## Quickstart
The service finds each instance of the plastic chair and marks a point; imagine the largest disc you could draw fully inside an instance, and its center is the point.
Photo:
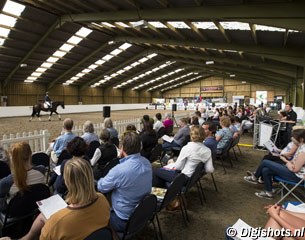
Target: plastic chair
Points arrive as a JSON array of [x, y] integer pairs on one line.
[[63, 156], [161, 132], [284, 185], [115, 141], [156, 153], [104, 233], [92, 147], [172, 192], [143, 213], [224, 153], [21, 211], [41, 158], [234, 143]]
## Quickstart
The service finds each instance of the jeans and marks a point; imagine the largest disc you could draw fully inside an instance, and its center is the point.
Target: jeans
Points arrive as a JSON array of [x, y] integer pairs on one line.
[[161, 176], [168, 146], [268, 169], [116, 223]]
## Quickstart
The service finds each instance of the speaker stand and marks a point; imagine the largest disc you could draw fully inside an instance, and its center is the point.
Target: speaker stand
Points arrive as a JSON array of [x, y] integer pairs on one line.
[[173, 116]]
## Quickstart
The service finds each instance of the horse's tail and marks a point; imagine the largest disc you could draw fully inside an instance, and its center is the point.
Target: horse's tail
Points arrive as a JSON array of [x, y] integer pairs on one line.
[[34, 110]]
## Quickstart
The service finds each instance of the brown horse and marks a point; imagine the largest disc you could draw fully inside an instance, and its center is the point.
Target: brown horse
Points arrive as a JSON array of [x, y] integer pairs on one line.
[[40, 107]]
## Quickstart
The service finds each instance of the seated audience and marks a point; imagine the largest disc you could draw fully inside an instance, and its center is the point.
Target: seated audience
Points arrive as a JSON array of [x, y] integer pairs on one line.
[[109, 126], [77, 148], [147, 118], [216, 115], [200, 119], [23, 173], [293, 171], [168, 123], [4, 161], [62, 141], [224, 134], [149, 140], [128, 181], [194, 121], [210, 141], [89, 135], [180, 137], [190, 156], [87, 210], [158, 124], [103, 154]]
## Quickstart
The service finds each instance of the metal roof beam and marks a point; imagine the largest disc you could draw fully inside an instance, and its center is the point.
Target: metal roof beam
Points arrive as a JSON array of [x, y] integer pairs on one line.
[[253, 32], [47, 33], [286, 70], [287, 15], [114, 69], [222, 30], [51, 84]]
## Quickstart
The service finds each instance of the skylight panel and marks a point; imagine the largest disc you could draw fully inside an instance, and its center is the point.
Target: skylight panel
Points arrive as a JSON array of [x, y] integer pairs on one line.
[[74, 40], [134, 64], [7, 20], [125, 46], [108, 24], [93, 66], [179, 24], [100, 62], [121, 71], [13, 8], [4, 32], [87, 70], [83, 32], [142, 60], [31, 78], [36, 74], [46, 65], [235, 26], [40, 69], [107, 57], [269, 28], [59, 53], [157, 24], [66, 47], [116, 52], [52, 59], [80, 74], [28, 81], [74, 78], [205, 25], [127, 68], [124, 25], [152, 55]]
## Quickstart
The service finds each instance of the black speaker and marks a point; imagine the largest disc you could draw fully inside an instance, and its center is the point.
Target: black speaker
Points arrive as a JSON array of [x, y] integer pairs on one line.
[[174, 107], [106, 111]]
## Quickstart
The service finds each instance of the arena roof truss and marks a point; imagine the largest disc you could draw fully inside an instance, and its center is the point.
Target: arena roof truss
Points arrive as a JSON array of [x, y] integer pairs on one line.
[[151, 45]]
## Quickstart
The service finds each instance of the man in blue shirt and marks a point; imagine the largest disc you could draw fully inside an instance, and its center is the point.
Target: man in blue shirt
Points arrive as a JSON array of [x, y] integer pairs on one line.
[[129, 181], [210, 141], [62, 141]]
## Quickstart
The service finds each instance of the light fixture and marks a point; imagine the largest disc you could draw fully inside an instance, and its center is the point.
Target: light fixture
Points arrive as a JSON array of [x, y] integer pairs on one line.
[[232, 75], [140, 24], [243, 82], [209, 62]]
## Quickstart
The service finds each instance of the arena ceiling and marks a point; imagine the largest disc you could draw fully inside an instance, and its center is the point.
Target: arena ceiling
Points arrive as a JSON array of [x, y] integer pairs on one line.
[[152, 45]]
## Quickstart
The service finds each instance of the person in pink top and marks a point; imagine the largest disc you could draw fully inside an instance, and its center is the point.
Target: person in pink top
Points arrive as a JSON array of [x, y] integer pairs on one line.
[[168, 123]]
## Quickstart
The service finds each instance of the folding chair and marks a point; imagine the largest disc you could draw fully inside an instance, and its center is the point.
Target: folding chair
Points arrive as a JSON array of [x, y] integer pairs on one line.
[[156, 153], [224, 153], [143, 213], [21, 211], [41, 158], [284, 185], [172, 192], [235, 142], [102, 233], [92, 147]]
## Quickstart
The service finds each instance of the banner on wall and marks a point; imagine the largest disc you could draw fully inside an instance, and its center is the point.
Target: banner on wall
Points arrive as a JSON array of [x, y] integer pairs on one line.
[[261, 97], [158, 100], [211, 89]]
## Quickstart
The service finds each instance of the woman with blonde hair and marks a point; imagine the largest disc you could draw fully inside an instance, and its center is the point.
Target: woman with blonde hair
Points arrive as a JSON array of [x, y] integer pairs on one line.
[[224, 135], [23, 173], [87, 210], [109, 126], [190, 156]]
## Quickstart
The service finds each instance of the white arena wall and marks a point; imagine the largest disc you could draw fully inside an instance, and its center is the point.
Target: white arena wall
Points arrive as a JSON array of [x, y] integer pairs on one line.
[[27, 110]]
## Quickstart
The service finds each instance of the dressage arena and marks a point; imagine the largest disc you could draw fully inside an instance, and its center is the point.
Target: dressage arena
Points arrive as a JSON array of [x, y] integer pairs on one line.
[[234, 200]]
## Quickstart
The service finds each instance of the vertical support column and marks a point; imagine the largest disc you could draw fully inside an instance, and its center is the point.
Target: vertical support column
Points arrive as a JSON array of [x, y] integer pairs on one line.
[[223, 87]]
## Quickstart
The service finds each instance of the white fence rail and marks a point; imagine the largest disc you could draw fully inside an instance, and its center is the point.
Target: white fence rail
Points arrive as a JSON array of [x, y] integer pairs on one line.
[[39, 140]]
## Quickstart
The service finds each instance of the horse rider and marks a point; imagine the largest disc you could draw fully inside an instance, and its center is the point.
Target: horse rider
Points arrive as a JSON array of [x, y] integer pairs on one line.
[[48, 100]]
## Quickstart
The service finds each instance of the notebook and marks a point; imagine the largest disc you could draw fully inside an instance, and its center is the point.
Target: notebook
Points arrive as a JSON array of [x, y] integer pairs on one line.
[[271, 147], [167, 138], [159, 192]]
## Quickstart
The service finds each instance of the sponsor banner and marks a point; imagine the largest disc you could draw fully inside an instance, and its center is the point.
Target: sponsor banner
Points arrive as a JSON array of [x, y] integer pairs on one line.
[[211, 89]]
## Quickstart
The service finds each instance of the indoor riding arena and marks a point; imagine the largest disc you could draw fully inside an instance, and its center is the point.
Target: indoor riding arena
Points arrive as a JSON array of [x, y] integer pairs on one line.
[[152, 119]]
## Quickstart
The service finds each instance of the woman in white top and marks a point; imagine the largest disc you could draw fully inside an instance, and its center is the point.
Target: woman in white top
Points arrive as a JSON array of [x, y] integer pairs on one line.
[[293, 171], [190, 156]]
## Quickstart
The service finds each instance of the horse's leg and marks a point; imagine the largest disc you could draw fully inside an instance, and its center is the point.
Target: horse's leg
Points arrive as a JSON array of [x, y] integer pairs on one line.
[[50, 116], [59, 117]]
